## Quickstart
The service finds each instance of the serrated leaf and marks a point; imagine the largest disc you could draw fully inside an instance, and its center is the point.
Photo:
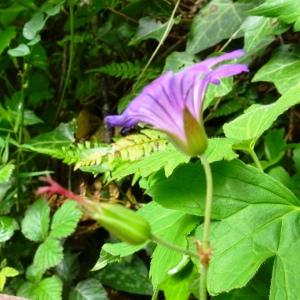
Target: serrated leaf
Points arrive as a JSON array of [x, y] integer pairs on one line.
[[219, 20], [90, 289], [164, 259], [6, 172], [33, 26], [282, 69], [48, 289], [49, 254], [131, 277], [19, 51], [7, 228], [65, 220], [6, 36], [35, 224], [258, 118]]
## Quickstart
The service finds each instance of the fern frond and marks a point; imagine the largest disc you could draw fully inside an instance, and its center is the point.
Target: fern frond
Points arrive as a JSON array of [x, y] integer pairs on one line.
[[124, 70]]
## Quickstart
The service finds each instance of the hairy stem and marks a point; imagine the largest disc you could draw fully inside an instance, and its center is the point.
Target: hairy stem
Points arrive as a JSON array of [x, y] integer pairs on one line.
[[204, 252]]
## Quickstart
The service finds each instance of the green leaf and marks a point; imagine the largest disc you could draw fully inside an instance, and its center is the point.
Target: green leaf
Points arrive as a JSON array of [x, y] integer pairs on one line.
[[258, 118], [6, 172], [21, 50], [232, 181], [9, 272], [275, 145], [219, 20], [35, 224], [6, 36], [50, 142], [131, 277], [149, 29], [287, 11], [90, 289], [178, 286], [69, 267], [164, 259], [49, 254], [7, 228], [282, 69], [48, 289], [33, 26], [178, 60], [259, 218], [65, 220], [259, 32]]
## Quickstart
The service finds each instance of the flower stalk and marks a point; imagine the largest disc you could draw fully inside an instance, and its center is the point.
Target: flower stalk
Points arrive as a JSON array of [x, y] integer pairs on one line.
[[204, 249]]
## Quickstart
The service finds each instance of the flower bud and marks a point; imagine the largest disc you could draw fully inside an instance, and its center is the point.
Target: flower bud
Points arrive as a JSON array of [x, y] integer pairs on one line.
[[122, 222]]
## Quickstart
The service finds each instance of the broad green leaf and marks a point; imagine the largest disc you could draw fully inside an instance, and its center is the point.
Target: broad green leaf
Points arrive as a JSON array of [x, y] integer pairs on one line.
[[164, 259], [68, 269], [282, 69], [286, 10], [160, 219], [33, 26], [149, 29], [49, 254], [258, 118], [259, 218], [219, 20], [259, 32], [19, 51], [232, 181], [7, 228], [49, 142], [90, 289], [65, 220], [131, 277], [10, 13], [6, 172], [35, 224], [48, 289], [6, 36]]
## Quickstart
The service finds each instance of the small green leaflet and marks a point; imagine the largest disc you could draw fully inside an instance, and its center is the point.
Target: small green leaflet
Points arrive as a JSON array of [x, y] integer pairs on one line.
[[8, 226], [90, 289]]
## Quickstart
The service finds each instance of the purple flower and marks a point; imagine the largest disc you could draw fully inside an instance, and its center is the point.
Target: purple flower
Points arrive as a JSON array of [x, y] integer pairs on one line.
[[173, 102]]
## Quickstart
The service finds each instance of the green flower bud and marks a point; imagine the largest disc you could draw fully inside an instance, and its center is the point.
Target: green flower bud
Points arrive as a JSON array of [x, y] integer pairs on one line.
[[122, 222]]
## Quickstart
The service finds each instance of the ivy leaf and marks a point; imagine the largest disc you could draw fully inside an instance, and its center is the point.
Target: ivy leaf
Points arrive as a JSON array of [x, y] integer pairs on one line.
[[65, 220], [258, 118], [7, 228], [282, 69], [6, 36], [35, 224], [219, 20], [48, 254], [150, 28], [178, 60], [164, 259], [287, 11], [19, 51], [90, 289]]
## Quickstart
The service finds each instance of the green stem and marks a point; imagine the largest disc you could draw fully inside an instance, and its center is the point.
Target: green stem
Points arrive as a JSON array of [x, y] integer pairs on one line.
[[255, 159], [207, 221], [171, 246], [70, 62]]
